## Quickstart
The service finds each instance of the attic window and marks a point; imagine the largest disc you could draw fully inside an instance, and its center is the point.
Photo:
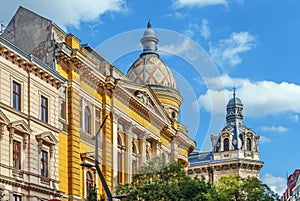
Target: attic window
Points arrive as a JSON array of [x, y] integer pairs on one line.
[[226, 144]]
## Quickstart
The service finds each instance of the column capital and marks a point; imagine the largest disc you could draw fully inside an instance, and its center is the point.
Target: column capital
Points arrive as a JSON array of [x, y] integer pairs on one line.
[[115, 116], [128, 127]]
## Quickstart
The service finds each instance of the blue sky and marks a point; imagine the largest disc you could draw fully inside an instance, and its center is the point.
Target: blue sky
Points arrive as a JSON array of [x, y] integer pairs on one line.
[[211, 46]]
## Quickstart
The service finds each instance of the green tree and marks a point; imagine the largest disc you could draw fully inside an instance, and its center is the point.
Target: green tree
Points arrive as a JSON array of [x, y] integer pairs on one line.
[[92, 194], [256, 190], [236, 188], [160, 181]]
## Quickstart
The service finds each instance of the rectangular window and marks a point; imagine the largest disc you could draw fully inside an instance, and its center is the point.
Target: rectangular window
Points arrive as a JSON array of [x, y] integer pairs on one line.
[[16, 96], [44, 109], [17, 155], [97, 118], [17, 198], [44, 163], [63, 113]]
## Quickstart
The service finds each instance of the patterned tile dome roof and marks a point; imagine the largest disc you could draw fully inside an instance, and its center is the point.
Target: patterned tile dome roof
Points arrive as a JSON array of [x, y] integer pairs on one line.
[[149, 69]]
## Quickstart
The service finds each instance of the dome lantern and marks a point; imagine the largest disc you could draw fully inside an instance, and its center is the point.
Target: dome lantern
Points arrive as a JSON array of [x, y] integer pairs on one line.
[[149, 41]]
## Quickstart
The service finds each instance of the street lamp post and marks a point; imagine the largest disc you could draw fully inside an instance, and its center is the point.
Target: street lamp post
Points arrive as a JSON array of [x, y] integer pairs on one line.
[[107, 191]]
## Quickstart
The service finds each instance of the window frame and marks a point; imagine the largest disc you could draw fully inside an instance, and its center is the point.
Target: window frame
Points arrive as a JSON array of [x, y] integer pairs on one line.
[[17, 197], [248, 144], [226, 144], [134, 158], [89, 181], [17, 154], [44, 108], [87, 119], [44, 162], [16, 95]]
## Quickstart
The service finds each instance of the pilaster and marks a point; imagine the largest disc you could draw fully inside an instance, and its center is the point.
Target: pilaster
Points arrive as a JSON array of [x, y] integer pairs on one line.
[[107, 133], [74, 142]]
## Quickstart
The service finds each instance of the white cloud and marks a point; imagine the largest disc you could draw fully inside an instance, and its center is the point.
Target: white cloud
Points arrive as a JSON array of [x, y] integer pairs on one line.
[[260, 98], [198, 3], [278, 129], [183, 47], [264, 139], [176, 15], [191, 29], [67, 12], [228, 51], [205, 30], [276, 184], [295, 118]]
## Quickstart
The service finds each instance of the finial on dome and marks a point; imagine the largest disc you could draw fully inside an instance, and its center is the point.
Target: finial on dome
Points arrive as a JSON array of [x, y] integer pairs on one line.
[[149, 26], [234, 91]]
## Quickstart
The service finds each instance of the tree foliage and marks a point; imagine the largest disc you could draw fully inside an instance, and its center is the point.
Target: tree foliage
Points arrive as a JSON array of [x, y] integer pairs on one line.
[[160, 181], [92, 194], [236, 188]]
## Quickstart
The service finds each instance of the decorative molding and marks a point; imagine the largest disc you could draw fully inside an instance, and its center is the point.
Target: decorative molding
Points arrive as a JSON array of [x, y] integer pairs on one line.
[[143, 97], [30, 66], [2, 129], [48, 139]]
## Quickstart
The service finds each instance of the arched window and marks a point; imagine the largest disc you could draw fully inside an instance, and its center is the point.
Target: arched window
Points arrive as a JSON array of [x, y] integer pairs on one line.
[[226, 144], [147, 155], [134, 158], [89, 181], [134, 150], [87, 119], [249, 144]]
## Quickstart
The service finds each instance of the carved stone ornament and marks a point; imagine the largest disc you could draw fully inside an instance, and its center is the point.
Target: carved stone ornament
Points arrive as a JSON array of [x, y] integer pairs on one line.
[[11, 134], [2, 129], [143, 97]]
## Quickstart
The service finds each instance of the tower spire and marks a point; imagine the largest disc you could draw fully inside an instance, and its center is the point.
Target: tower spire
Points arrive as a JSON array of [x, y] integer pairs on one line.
[[234, 91], [234, 108], [149, 25]]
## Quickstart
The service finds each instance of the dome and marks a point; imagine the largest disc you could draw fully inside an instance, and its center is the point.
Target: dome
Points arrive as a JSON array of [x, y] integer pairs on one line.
[[234, 101], [149, 69], [234, 109]]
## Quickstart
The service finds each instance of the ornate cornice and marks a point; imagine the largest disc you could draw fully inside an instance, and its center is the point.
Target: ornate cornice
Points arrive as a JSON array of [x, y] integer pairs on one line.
[[29, 63], [89, 70], [30, 186], [139, 107], [246, 165]]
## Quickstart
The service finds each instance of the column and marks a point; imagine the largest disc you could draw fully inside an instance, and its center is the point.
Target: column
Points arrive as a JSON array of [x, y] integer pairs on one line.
[[128, 160], [115, 118], [143, 138]]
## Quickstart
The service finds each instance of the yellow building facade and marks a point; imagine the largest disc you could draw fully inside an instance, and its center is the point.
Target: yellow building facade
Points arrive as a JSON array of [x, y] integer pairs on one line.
[[141, 109]]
